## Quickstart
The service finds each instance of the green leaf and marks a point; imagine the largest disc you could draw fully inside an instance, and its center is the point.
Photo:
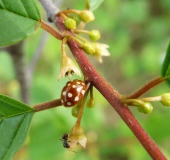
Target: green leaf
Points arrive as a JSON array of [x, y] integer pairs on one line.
[[18, 19], [166, 65], [93, 4], [15, 118], [10, 107]]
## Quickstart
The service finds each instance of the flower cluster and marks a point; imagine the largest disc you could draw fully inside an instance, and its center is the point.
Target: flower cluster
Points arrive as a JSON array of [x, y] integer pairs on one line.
[[93, 48], [143, 104], [68, 67]]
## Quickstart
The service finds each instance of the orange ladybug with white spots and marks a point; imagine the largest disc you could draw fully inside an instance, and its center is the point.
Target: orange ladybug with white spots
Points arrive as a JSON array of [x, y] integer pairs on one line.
[[72, 93]]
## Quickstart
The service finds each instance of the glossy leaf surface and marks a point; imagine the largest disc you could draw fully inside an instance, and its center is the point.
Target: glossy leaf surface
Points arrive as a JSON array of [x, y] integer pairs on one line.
[[18, 19], [15, 118]]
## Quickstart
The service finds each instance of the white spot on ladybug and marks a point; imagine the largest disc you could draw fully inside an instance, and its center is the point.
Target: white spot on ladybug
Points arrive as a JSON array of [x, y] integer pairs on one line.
[[68, 103], [78, 82], [79, 89], [76, 98], [70, 95], [68, 84], [83, 91], [82, 83], [62, 101], [64, 93], [73, 86]]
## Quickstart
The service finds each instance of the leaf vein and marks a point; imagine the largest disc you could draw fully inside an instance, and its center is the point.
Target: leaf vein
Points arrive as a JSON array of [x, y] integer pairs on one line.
[[9, 116], [3, 4], [1, 122], [5, 10], [24, 8], [15, 134], [2, 113]]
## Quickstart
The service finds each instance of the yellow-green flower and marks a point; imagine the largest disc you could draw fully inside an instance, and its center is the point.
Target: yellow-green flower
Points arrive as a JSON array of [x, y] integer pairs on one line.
[[100, 50], [96, 49], [88, 47], [77, 136], [86, 16], [67, 67]]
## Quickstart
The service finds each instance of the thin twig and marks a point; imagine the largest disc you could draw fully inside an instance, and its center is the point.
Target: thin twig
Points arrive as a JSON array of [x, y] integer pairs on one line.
[[146, 87], [47, 105], [51, 30], [80, 114]]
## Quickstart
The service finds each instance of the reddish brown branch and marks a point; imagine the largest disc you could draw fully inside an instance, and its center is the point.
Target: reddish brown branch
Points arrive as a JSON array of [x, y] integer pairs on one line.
[[112, 96], [47, 105], [51, 30], [146, 87]]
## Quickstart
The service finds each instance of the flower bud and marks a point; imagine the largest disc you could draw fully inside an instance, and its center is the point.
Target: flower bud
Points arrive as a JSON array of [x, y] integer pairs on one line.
[[165, 99], [70, 23], [77, 136], [88, 48], [86, 16], [75, 111], [145, 108], [94, 35], [90, 103]]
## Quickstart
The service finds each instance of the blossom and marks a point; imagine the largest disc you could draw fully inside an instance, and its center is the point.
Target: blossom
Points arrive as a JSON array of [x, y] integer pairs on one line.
[[67, 67], [77, 136], [86, 16], [100, 50]]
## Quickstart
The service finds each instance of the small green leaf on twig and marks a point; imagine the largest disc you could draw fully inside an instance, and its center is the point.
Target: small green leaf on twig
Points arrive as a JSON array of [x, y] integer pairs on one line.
[[93, 4], [166, 65]]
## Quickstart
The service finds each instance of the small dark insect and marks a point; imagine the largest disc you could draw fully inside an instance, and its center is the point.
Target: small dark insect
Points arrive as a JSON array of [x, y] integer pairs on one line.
[[65, 141]]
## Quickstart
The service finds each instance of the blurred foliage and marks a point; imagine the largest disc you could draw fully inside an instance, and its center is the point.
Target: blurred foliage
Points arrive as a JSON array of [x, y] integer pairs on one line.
[[138, 34]]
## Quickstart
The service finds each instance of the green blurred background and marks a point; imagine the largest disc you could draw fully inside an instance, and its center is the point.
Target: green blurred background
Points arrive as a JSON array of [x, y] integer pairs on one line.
[[137, 32]]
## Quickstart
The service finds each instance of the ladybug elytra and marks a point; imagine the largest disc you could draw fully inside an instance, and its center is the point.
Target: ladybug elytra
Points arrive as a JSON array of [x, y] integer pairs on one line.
[[72, 93]]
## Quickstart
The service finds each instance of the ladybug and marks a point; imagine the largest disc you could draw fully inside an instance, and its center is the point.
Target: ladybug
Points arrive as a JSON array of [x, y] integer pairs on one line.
[[72, 93]]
